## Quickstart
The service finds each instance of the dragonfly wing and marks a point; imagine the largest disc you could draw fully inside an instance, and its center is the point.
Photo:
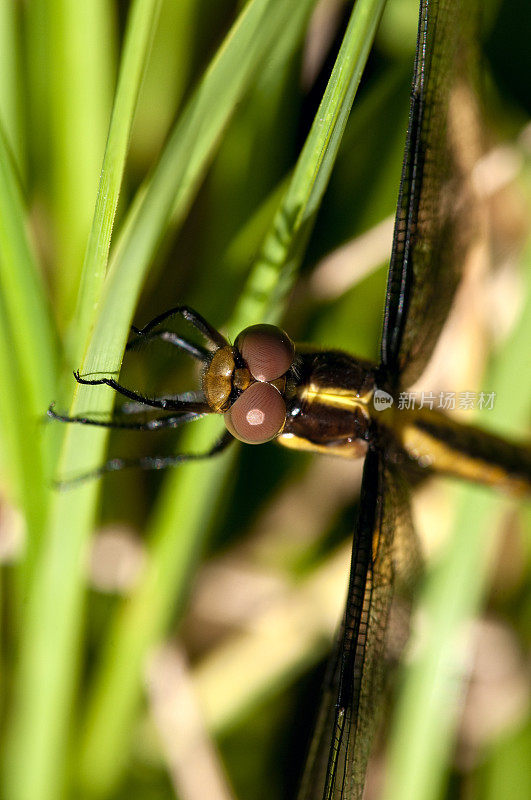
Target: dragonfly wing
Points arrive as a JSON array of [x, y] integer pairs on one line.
[[352, 693], [435, 223]]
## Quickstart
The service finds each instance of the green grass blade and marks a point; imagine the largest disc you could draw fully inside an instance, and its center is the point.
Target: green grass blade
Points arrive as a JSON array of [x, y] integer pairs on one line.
[[177, 536], [427, 710], [141, 20], [508, 773], [29, 335], [80, 65], [34, 762], [274, 272], [22, 289], [166, 78], [11, 105], [19, 463]]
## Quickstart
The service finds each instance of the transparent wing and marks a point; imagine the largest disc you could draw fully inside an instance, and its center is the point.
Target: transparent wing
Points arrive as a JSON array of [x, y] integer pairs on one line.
[[352, 693], [435, 222]]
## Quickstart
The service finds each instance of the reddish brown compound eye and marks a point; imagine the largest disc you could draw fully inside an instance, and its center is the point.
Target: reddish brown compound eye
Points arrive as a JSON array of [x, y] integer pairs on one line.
[[258, 414], [267, 351]]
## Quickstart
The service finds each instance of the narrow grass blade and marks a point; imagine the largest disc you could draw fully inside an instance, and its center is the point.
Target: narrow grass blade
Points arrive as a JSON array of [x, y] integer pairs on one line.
[[141, 20], [29, 337], [177, 536], [166, 78], [33, 756], [20, 464], [11, 106], [22, 289], [274, 272], [79, 63]]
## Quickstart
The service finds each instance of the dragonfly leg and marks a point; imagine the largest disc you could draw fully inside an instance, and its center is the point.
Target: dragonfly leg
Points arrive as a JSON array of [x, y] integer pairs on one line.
[[194, 350], [213, 337], [170, 403], [147, 462], [171, 421]]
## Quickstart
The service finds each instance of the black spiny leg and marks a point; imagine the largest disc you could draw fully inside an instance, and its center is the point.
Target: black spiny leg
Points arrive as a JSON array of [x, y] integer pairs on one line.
[[185, 407], [169, 403], [194, 350], [213, 337], [148, 462], [172, 421]]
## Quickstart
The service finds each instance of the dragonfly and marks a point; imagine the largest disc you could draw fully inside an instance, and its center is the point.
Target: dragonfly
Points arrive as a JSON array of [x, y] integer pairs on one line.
[[328, 401]]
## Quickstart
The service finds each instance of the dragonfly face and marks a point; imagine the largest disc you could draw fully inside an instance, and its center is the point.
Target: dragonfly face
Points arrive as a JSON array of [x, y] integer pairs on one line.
[[305, 398], [246, 383]]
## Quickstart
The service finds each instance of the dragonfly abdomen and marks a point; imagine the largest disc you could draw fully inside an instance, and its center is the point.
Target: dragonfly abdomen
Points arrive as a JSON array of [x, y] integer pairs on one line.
[[444, 445]]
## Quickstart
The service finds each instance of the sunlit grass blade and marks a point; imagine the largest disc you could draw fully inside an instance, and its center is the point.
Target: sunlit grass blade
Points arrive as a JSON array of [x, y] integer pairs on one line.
[[23, 292], [275, 270], [11, 105], [180, 521], [79, 62], [141, 19], [166, 78], [177, 537], [34, 755], [20, 463], [29, 336], [507, 767], [428, 707]]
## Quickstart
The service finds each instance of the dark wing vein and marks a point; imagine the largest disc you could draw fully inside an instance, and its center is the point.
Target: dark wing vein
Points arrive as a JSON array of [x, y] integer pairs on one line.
[[434, 224], [353, 687]]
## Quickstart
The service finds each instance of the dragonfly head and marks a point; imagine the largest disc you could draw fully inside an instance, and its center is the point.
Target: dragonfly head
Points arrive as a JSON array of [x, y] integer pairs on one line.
[[245, 382]]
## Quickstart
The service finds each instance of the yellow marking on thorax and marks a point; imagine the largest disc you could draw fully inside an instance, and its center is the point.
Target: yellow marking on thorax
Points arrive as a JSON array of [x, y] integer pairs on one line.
[[336, 397], [348, 449]]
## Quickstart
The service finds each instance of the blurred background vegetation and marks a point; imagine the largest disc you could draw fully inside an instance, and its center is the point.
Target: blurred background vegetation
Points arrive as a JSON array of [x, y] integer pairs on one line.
[[164, 635]]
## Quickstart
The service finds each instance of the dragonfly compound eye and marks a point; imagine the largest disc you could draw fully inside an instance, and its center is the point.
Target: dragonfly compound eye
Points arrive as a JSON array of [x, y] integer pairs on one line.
[[267, 351], [258, 414]]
